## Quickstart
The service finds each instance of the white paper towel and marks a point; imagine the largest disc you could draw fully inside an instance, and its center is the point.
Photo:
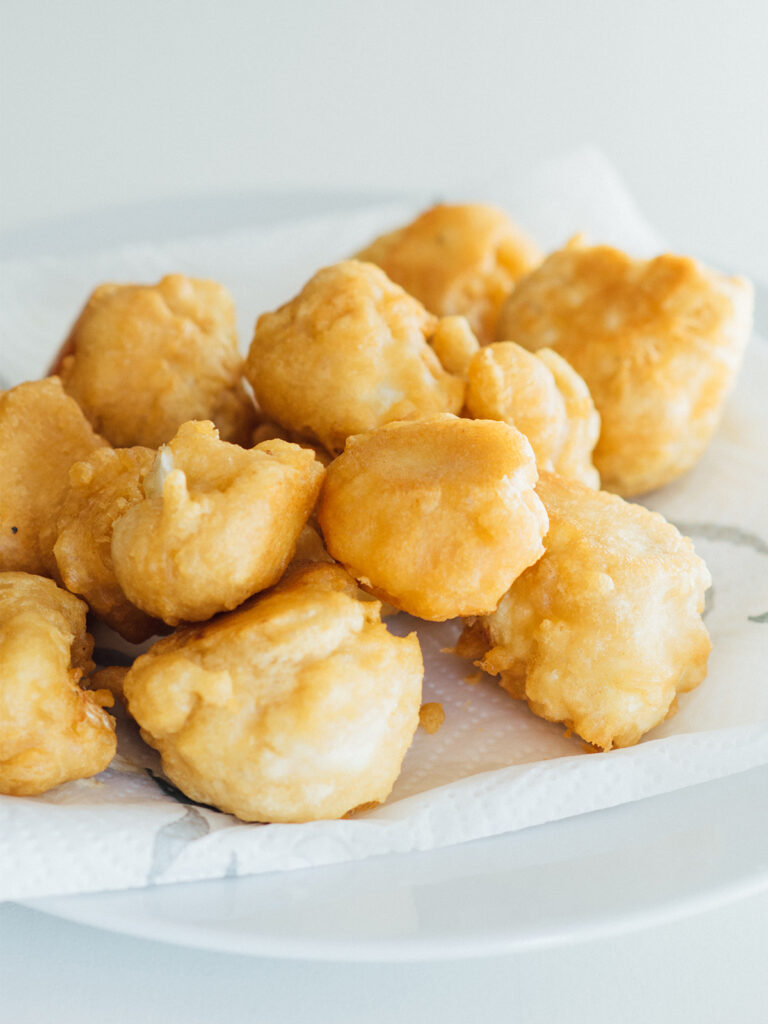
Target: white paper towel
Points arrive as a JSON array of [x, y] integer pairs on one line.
[[493, 766]]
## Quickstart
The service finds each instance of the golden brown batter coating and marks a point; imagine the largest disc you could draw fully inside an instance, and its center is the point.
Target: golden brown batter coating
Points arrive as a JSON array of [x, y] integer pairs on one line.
[[51, 730], [42, 433], [658, 342], [574, 459], [541, 395], [297, 706], [217, 523], [460, 259], [437, 516], [146, 358], [454, 344], [349, 353], [605, 630], [101, 489]]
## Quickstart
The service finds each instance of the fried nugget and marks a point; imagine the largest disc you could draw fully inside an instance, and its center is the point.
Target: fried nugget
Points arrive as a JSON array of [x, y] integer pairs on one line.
[[42, 433], [605, 630], [101, 489], [51, 730], [143, 359], [297, 706], [658, 342], [437, 516], [541, 395], [454, 344], [217, 523], [349, 353], [461, 259]]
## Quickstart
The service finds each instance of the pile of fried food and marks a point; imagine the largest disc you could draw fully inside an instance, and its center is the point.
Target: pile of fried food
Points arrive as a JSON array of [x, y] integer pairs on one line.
[[429, 426]]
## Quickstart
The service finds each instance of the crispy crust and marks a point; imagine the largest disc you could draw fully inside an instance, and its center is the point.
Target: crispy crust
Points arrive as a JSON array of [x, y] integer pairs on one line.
[[458, 260], [42, 433], [51, 730], [658, 342], [348, 354], [143, 359], [216, 524], [541, 395], [437, 516], [297, 706], [101, 490], [605, 630]]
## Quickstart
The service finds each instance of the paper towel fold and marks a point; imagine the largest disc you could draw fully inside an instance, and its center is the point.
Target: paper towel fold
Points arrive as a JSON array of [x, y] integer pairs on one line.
[[493, 766]]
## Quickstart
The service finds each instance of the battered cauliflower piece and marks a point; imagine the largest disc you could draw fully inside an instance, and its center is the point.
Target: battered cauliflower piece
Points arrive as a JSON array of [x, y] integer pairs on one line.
[[217, 523], [349, 353], [101, 489], [297, 706], [461, 259], [42, 433], [438, 516], [143, 359], [544, 398], [454, 344], [605, 630], [658, 342], [51, 730]]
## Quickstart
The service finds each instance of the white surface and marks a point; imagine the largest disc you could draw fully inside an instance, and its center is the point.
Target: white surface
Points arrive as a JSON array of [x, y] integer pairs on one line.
[[109, 103], [514, 770], [709, 969]]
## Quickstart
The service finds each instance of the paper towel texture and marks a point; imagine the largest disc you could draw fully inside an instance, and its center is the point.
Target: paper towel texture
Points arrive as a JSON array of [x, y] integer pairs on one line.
[[492, 766]]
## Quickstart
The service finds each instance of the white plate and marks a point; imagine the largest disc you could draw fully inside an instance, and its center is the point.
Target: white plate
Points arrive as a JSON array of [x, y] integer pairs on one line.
[[602, 873]]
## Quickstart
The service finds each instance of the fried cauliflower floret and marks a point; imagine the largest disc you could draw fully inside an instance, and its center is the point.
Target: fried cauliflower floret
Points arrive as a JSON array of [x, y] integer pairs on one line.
[[461, 259], [658, 342], [541, 395], [143, 359], [454, 344], [101, 489], [437, 517], [217, 523], [349, 353], [51, 731], [42, 433], [605, 630], [297, 706]]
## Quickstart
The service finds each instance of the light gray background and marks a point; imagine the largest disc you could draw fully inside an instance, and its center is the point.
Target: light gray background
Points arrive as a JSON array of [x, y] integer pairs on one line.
[[115, 103], [105, 103]]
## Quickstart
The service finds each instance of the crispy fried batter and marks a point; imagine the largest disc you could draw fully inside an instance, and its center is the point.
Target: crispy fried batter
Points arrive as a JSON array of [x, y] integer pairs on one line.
[[217, 523], [605, 630], [454, 344], [146, 358], [42, 433], [297, 706], [541, 395], [349, 353], [101, 489], [51, 731], [461, 259], [435, 516], [431, 716], [658, 343]]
